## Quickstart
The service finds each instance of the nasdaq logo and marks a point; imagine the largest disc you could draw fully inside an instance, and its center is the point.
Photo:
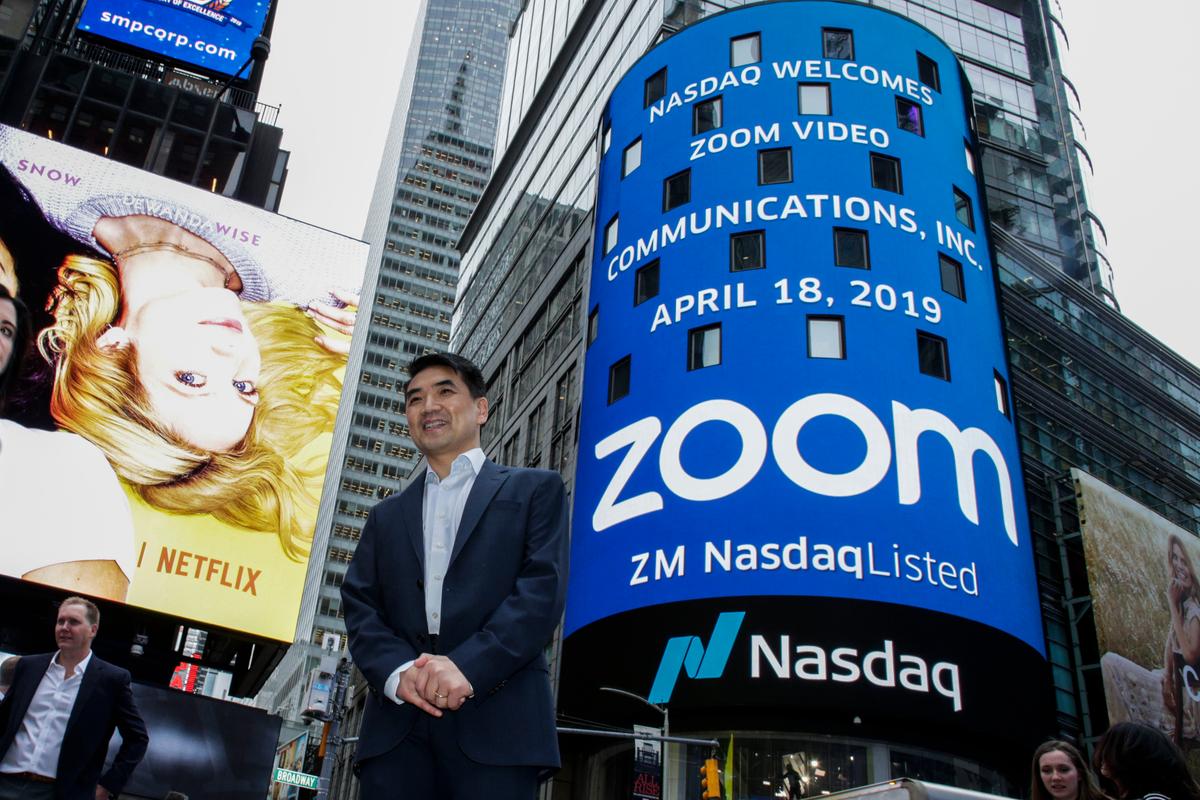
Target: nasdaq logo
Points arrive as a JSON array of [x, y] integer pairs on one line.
[[688, 654]]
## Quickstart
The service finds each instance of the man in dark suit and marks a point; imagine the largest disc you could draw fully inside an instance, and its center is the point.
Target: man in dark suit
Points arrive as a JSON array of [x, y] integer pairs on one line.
[[454, 592], [56, 720]]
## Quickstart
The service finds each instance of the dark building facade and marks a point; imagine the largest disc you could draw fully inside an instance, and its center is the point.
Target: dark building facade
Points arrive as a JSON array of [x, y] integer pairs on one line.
[[143, 111], [1089, 389]]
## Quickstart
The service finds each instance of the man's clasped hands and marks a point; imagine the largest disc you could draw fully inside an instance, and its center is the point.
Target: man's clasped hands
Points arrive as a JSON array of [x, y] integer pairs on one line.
[[434, 684]]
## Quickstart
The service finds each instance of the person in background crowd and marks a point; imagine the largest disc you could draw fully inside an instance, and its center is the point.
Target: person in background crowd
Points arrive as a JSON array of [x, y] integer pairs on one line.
[[56, 722], [1141, 762], [1061, 773]]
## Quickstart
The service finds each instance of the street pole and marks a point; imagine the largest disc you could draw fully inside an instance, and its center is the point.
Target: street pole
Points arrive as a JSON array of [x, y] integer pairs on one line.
[[666, 727], [332, 740]]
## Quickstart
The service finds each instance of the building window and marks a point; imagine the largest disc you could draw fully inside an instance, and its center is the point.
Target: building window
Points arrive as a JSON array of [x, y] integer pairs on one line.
[[706, 116], [645, 282], [970, 157], [932, 357], [747, 251], [908, 117], [656, 88], [826, 337], [745, 50], [927, 72], [814, 99], [605, 137], [952, 277], [1001, 394], [510, 450], [618, 380], [775, 166], [704, 347], [593, 328], [885, 173], [632, 158], [838, 43], [677, 190], [533, 436], [850, 248], [610, 234], [962, 209]]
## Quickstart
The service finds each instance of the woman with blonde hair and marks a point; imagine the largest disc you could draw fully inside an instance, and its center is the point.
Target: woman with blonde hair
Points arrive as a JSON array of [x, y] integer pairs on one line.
[[201, 403]]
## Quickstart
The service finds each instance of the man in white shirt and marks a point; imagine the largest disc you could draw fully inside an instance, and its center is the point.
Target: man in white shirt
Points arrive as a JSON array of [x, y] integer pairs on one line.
[[57, 718], [454, 592]]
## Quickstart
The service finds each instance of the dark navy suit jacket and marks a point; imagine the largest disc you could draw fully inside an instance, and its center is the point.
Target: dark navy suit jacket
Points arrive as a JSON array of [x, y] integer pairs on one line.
[[502, 598], [104, 704]]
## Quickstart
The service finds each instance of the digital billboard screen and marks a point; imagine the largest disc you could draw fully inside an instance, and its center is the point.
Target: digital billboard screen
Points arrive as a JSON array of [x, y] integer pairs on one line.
[[167, 441], [203, 748], [798, 480], [1146, 602], [211, 35]]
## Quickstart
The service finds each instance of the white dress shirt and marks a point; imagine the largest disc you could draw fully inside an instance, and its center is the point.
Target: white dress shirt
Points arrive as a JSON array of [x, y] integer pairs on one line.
[[36, 746], [441, 514]]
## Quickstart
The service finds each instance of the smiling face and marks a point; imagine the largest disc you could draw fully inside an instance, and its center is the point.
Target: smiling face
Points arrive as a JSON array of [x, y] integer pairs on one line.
[[1059, 775], [72, 631], [8, 331], [199, 365], [443, 418], [1180, 570]]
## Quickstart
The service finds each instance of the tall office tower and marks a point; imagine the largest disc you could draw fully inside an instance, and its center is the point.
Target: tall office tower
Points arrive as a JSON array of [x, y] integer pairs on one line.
[[1089, 389], [436, 163]]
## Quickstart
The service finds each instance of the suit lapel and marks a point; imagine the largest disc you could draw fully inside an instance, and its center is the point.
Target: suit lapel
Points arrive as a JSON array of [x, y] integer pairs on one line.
[[491, 477], [87, 685], [412, 505], [23, 696]]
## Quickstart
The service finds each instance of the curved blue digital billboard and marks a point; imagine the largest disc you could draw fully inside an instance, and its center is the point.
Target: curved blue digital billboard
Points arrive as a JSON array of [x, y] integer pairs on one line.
[[795, 400], [211, 35]]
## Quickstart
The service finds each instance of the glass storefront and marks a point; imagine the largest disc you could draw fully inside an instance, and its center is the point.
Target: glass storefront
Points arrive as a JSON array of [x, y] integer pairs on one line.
[[757, 765]]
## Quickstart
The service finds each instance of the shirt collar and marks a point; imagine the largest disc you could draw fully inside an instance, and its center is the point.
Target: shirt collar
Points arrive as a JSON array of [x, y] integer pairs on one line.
[[81, 667], [473, 459]]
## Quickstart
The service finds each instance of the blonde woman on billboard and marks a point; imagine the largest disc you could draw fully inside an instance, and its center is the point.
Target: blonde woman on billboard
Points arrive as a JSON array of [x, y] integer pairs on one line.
[[85, 545], [202, 403], [1158, 697]]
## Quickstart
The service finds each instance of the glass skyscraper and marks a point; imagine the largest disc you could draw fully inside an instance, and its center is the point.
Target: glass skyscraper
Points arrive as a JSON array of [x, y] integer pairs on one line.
[[437, 160]]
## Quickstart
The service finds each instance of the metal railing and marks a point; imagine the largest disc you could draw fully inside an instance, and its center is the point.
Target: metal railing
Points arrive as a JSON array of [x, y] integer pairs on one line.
[[150, 69]]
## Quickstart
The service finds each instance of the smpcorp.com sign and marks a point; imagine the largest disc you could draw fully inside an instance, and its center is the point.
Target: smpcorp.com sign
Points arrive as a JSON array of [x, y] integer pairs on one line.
[[212, 35], [796, 390]]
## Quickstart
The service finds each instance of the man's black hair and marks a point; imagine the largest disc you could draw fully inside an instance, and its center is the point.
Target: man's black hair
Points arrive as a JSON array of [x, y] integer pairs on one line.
[[470, 374], [1141, 760]]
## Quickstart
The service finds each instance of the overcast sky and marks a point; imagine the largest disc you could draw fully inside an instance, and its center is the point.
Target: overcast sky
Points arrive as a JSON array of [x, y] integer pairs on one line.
[[1134, 67], [1132, 64], [335, 84]]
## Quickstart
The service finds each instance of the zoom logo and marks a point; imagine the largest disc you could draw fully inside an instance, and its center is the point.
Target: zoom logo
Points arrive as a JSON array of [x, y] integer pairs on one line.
[[688, 654]]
